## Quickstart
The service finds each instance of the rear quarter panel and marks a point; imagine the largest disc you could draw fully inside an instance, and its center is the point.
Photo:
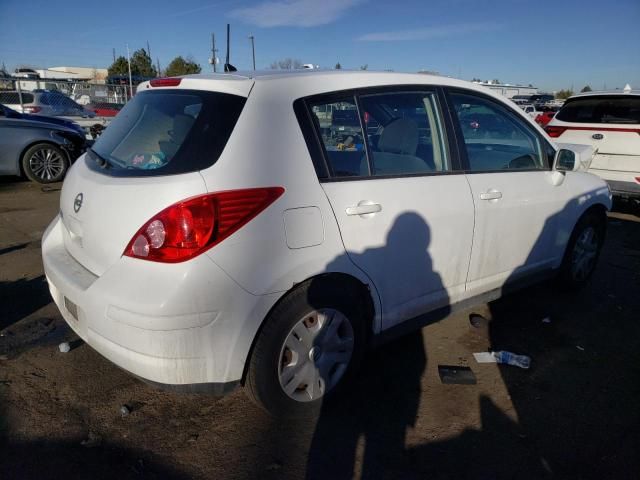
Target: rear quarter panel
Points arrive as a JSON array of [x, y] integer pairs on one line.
[[267, 148], [586, 190]]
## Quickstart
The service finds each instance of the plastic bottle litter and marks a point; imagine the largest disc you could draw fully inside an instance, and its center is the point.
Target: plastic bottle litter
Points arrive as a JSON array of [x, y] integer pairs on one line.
[[509, 358], [124, 410], [64, 347]]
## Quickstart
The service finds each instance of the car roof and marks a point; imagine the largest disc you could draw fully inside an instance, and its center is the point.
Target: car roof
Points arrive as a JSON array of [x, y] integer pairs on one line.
[[289, 85], [604, 93]]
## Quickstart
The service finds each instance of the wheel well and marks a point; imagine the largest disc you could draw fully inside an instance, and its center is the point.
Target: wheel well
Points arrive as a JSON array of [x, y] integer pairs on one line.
[[598, 209], [345, 281], [38, 142]]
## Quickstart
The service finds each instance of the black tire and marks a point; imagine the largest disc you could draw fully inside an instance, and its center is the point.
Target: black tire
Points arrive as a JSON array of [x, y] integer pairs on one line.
[[570, 277], [45, 163], [262, 383]]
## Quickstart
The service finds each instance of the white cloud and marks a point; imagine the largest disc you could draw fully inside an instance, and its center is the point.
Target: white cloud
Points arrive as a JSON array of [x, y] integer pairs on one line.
[[428, 32], [294, 13]]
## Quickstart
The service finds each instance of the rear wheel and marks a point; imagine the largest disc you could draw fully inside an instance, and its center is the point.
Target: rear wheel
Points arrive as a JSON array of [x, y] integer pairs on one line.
[[310, 345], [583, 251], [44, 163]]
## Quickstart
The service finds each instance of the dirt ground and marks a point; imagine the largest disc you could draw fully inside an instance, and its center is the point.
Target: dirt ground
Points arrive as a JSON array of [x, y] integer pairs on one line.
[[574, 414]]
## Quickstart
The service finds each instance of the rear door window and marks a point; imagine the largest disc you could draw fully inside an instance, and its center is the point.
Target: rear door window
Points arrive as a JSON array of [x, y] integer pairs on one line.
[[406, 137], [167, 132], [601, 109]]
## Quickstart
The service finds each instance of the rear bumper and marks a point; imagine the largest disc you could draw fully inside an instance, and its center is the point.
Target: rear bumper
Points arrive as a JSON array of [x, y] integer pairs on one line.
[[185, 326], [624, 189], [622, 184]]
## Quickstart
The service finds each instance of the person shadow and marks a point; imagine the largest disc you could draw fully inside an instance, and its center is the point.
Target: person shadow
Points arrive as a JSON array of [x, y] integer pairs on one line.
[[550, 431], [362, 432]]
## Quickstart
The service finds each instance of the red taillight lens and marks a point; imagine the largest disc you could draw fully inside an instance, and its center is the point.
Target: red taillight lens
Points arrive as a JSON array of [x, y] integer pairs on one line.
[[165, 82], [31, 109], [188, 228], [554, 131]]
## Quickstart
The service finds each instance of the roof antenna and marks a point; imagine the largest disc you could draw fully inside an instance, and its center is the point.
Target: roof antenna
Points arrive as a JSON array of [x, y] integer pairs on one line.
[[227, 66]]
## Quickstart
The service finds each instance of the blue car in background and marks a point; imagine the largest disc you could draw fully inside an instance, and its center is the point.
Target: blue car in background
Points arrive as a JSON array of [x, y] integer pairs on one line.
[[38, 147]]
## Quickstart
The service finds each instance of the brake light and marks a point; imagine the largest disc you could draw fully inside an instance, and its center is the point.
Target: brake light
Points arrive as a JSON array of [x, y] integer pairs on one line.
[[31, 109], [190, 227], [165, 82], [554, 131]]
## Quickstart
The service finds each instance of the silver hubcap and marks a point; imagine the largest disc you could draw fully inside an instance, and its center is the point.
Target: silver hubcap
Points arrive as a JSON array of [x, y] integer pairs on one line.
[[46, 164], [315, 354], [584, 254]]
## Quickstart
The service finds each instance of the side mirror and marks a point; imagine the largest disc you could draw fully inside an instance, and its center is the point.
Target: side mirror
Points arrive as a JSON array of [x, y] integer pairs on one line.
[[565, 160]]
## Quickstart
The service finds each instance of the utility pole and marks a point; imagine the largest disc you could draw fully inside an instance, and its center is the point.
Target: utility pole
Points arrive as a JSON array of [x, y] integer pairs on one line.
[[214, 50], [253, 50], [158, 66], [130, 81], [114, 55]]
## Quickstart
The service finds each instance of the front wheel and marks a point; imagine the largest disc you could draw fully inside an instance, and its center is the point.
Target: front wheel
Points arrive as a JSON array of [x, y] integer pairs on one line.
[[45, 163], [583, 251], [310, 345]]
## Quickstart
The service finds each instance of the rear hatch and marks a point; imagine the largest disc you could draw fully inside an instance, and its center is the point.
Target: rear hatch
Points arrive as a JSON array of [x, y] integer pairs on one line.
[[147, 159], [610, 123]]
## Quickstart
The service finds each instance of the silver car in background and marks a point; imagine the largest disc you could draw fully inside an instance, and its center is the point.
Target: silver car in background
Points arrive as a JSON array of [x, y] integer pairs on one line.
[[40, 150], [44, 102]]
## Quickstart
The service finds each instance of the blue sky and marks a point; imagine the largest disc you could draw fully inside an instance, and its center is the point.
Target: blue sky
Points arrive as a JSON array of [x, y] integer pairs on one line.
[[551, 44]]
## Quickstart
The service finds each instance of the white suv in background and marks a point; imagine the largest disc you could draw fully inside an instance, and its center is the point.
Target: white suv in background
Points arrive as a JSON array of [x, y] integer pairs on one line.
[[610, 122], [265, 229]]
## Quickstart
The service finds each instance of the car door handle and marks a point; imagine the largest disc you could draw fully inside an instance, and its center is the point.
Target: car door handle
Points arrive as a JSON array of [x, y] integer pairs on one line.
[[364, 209], [491, 195]]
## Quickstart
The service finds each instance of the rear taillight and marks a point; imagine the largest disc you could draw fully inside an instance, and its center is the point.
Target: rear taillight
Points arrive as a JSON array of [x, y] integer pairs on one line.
[[165, 82], [188, 228], [554, 131], [31, 109]]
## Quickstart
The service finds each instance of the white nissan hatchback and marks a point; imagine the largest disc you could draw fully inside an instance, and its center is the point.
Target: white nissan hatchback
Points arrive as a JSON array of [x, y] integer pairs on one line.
[[266, 229]]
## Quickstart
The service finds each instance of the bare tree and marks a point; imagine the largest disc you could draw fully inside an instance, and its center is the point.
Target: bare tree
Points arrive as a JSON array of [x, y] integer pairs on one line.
[[286, 64]]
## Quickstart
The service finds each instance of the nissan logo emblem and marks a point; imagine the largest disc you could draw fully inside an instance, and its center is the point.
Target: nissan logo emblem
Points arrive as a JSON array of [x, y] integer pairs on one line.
[[77, 203], [597, 136]]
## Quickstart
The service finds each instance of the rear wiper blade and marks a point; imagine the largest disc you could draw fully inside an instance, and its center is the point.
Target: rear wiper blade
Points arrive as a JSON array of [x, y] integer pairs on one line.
[[104, 162]]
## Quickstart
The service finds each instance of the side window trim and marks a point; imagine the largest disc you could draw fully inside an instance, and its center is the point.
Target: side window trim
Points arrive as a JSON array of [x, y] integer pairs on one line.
[[365, 135], [451, 134], [460, 143]]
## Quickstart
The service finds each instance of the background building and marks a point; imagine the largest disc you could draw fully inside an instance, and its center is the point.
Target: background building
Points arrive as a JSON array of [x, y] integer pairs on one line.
[[507, 89]]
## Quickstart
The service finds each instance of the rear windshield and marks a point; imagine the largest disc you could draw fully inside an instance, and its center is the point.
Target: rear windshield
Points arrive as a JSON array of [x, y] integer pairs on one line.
[[167, 132], [13, 98], [604, 109]]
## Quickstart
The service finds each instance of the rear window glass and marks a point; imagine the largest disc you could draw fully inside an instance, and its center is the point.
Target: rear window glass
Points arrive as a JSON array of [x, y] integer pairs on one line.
[[167, 132], [13, 98], [603, 109]]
